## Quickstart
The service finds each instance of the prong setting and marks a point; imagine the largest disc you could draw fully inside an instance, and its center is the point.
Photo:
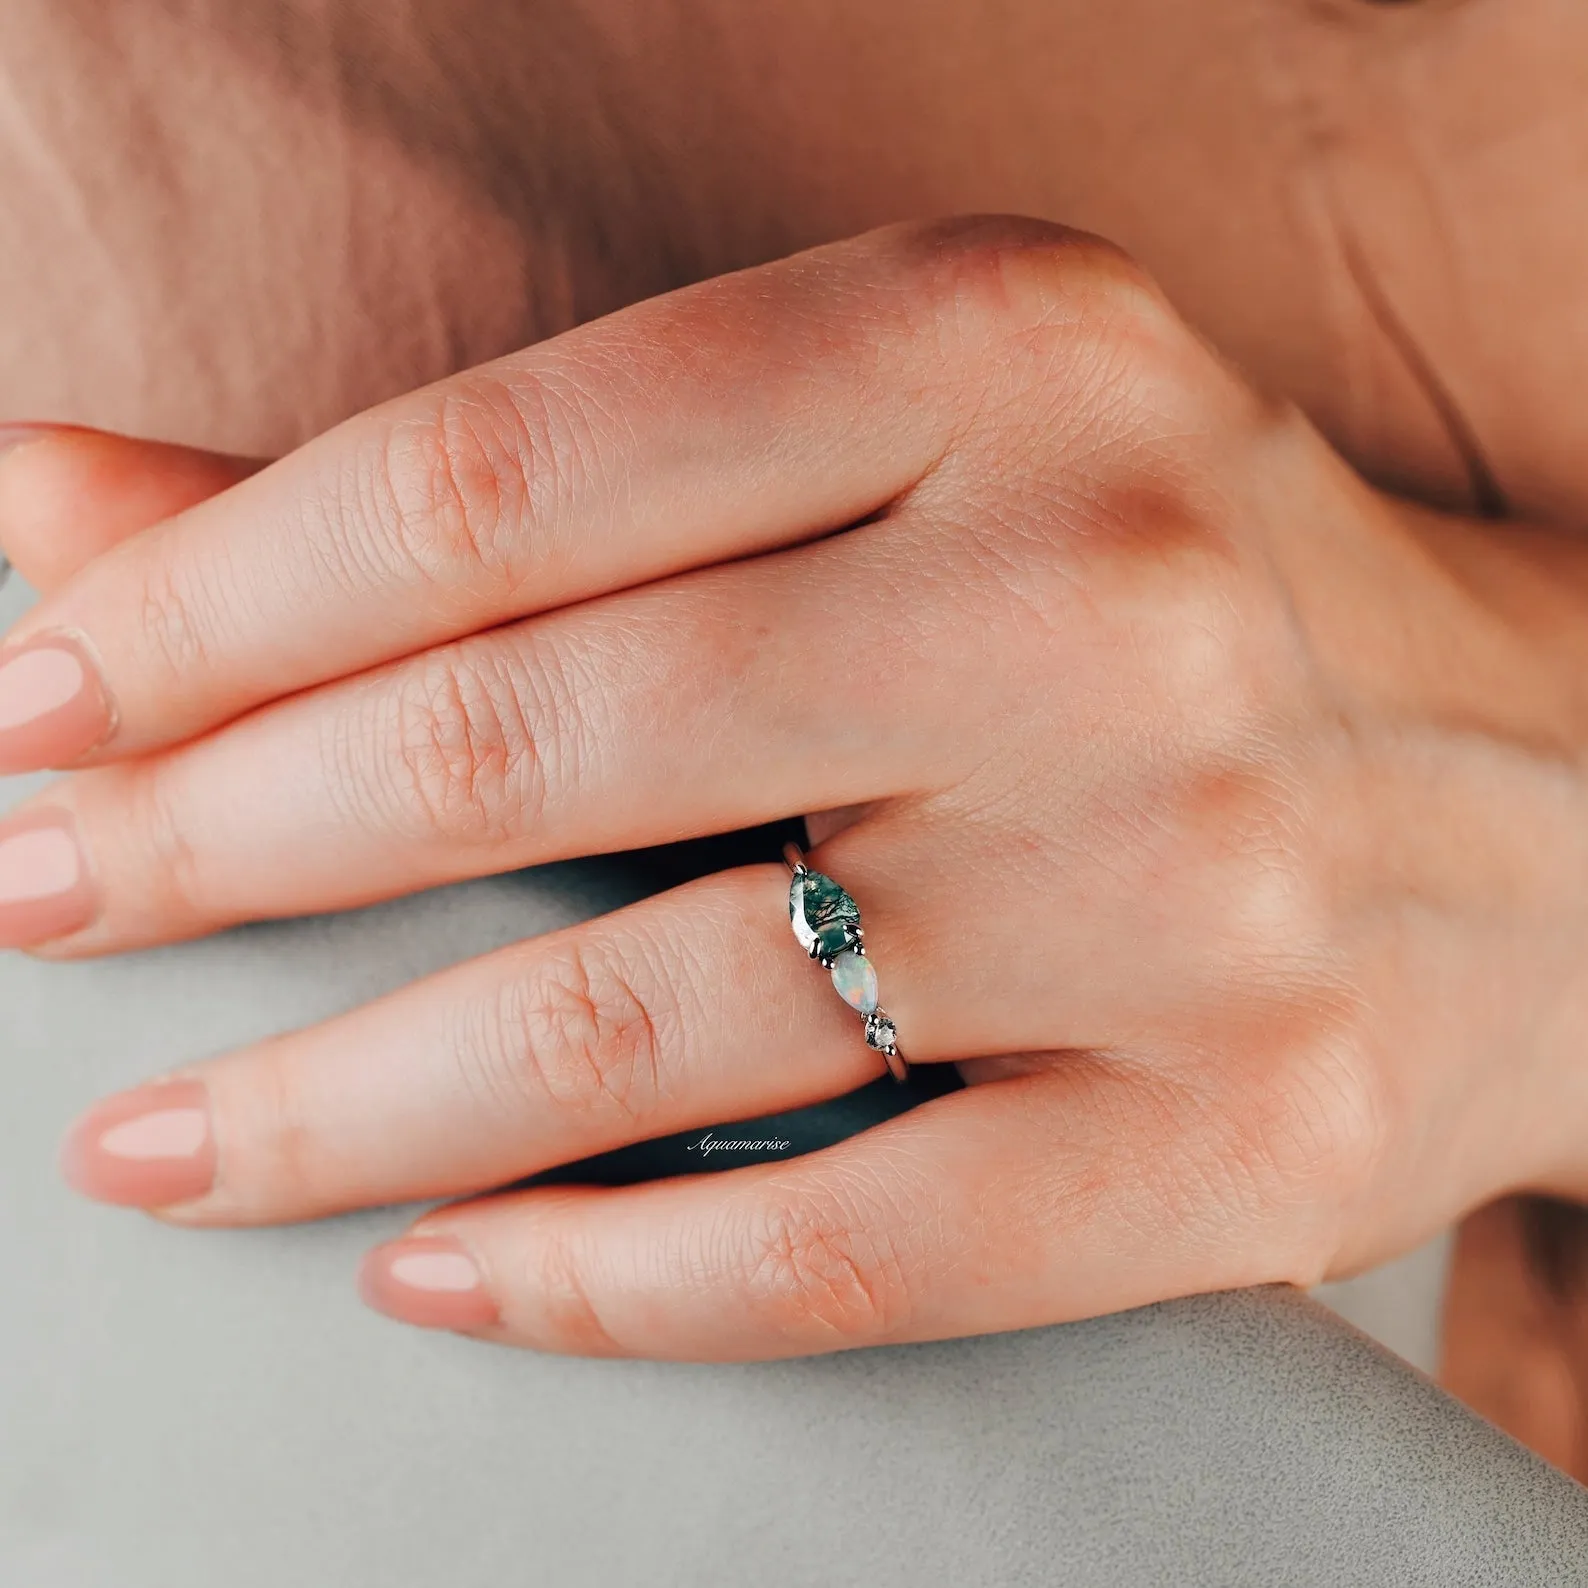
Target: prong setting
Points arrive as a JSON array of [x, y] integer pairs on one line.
[[826, 922]]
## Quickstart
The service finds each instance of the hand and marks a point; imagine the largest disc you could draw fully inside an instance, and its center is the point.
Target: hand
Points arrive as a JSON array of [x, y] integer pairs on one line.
[[1220, 816]]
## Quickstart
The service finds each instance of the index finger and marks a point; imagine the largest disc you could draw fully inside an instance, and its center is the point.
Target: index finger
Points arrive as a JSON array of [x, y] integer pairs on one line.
[[732, 417]]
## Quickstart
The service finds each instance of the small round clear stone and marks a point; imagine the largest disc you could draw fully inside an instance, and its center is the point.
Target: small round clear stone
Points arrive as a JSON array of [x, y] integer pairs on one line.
[[880, 1033]]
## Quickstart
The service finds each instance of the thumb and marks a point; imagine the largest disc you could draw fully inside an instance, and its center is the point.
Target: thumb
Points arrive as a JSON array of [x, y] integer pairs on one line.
[[67, 494]]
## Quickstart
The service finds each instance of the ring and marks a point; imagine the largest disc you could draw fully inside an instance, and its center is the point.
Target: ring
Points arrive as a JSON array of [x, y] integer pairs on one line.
[[826, 922]]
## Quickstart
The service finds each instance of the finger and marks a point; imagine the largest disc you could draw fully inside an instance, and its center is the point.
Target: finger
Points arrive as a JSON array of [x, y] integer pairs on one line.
[[716, 701], [692, 1008], [1022, 1202], [69, 494], [741, 414]]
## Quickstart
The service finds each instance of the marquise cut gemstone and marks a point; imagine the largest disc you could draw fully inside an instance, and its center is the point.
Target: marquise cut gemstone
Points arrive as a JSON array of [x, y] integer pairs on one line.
[[856, 980], [824, 916]]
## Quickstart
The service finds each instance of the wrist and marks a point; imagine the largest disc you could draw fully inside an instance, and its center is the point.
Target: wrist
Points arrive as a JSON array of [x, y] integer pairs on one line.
[[1485, 643]]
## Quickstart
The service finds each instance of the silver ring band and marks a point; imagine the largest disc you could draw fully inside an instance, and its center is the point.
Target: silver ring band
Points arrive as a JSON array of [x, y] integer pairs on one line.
[[826, 922]]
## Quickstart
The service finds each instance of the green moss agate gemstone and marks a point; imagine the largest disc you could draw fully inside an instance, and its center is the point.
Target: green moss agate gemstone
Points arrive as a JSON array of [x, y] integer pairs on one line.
[[826, 920]]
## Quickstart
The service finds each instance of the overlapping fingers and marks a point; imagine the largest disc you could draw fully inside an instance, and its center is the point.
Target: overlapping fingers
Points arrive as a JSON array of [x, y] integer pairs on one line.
[[67, 494], [588, 599], [716, 700], [741, 415]]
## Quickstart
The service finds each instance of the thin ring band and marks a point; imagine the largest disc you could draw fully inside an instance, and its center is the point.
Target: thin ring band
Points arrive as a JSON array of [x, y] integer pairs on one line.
[[826, 922]]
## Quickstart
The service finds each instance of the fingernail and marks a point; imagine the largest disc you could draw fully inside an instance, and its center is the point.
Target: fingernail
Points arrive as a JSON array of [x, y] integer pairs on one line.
[[53, 706], [428, 1280], [46, 891], [20, 433], [149, 1148]]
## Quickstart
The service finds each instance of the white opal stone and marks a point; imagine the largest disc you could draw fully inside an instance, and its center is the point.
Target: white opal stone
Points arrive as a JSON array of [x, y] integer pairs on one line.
[[856, 981]]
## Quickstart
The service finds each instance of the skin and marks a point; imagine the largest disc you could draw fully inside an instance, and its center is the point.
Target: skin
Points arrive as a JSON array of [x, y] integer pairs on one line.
[[1220, 815], [1516, 1325]]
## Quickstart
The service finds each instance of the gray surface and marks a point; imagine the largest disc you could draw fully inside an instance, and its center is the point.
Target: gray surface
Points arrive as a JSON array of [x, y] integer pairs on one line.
[[1400, 1303], [217, 1411]]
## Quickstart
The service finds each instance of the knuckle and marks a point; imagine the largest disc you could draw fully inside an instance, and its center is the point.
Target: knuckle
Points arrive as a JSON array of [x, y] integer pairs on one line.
[[1200, 654], [1006, 285], [276, 1152], [1314, 1132], [172, 880], [576, 1031], [987, 260], [466, 753], [566, 1317], [1253, 883], [174, 618], [1328, 1112], [806, 1261], [1276, 1142], [1265, 1165], [1205, 648], [465, 489]]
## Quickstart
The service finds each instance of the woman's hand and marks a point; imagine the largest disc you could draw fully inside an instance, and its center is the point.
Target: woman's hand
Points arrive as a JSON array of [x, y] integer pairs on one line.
[[1225, 818]]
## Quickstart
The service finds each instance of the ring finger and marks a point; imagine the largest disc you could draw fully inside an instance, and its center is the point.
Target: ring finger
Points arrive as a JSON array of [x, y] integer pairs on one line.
[[688, 1009]]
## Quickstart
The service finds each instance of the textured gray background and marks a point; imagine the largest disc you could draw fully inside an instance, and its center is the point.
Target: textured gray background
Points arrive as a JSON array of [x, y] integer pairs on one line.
[[181, 1410]]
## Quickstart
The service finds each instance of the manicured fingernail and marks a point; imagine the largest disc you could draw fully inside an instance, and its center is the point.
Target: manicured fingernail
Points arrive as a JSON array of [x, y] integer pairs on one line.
[[150, 1148], [428, 1280], [53, 706], [46, 891], [19, 434]]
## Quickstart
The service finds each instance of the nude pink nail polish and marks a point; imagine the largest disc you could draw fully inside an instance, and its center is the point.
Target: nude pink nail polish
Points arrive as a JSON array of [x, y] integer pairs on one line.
[[21, 432], [53, 705], [46, 891], [428, 1280], [149, 1148]]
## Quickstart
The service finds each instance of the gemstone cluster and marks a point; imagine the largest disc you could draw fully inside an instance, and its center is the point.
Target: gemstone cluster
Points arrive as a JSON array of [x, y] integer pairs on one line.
[[826, 922]]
